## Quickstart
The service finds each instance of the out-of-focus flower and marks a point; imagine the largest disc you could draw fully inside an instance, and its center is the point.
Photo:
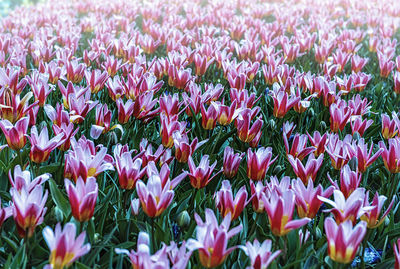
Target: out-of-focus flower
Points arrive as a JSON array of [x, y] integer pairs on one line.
[[372, 217], [212, 239], [142, 258], [260, 255], [82, 197], [231, 162], [15, 134], [200, 176], [258, 162], [227, 204], [307, 200], [28, 208], [135, 205], [64, 247], [179, 256], [396, 249], [343, 239], [41, 146], [280, 207]]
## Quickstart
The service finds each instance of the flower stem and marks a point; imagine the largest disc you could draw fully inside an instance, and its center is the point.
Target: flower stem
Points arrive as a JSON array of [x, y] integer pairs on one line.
[[153, 241]]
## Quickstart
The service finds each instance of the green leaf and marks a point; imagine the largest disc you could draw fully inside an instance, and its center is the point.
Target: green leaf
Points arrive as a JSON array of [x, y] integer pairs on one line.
[[59, 198]]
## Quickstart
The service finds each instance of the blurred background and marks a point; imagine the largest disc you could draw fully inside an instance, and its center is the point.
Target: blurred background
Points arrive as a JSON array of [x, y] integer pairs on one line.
[[7, 5]]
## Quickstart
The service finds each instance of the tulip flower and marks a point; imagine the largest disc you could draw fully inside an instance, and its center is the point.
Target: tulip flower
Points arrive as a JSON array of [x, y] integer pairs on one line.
[[14, 108], [69, 131], [363, 155], [258, 190], [310, 170], [344, 239], [28, 208], [22, 179], [169, 105], [179, 257], [202, 63], [183, 150], [258, 162], [282, 101], [396, 249], [359, 125], [125, 111], [154, 197], [226, 114], [338, 151], [135, 205], [80, 106], [231, 162], [41, 146], [245, 132], [15, 134], [209, 117], [299, 147], [96, 80], [307, 200], [260, 255], [103, 122], [142, 258], [65, 247], [212, 239], [82, 197], [84, 160], [391, 154], [349, 181], [372, 217], [389, 127], [227, 204], [279, 208], [318, 142], [128, 168], [200, 176], [40, 87], [340, 115], [168, 127], [347, 209]]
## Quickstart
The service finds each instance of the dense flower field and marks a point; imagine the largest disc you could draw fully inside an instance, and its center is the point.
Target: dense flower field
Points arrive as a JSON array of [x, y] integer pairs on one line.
[[200, 134]]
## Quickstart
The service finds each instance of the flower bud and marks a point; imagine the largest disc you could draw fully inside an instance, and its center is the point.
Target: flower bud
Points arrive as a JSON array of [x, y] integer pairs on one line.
[[183, 219]]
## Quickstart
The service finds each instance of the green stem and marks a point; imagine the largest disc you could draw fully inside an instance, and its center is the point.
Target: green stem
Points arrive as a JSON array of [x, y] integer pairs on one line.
[[153, 241], [364, 246], [254, 226]]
